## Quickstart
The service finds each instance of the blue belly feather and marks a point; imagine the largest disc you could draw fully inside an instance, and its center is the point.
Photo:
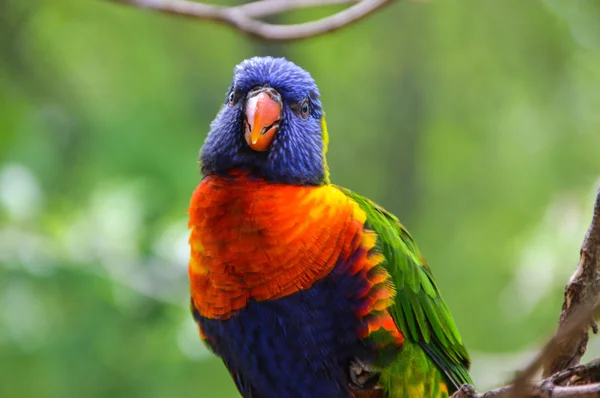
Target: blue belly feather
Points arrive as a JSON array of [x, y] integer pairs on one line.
[[297, 346]]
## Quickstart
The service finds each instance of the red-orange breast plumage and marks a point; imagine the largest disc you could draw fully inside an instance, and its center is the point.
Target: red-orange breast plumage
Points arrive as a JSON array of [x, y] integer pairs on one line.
[[252, 239]]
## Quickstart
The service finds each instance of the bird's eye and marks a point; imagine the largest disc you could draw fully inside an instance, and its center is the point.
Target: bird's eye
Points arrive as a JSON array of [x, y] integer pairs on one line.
[[305, 109], [231, 98]]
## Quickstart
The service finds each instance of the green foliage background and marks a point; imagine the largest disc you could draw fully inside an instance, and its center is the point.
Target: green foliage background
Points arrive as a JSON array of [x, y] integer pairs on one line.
[[476, 122]]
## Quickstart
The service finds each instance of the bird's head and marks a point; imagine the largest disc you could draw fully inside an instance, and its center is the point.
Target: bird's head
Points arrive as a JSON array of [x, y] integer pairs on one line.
[[271, 125]]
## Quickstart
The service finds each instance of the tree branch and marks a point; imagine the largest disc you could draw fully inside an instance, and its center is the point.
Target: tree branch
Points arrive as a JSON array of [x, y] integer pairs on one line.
[[581, 291], [561, 354], [538, 390], [581, 374], [583, 382], [566, 334], [244, 17]]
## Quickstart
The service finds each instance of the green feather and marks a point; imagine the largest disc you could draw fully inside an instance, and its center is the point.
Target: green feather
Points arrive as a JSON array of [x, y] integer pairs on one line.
[[419, 310], [407, 314]]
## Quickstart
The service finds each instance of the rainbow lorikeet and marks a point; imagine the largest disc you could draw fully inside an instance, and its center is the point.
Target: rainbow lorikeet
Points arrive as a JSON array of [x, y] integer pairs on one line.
[[303, 288]]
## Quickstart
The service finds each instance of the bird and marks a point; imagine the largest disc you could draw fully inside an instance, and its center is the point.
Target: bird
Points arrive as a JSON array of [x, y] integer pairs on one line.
[[301, 287]]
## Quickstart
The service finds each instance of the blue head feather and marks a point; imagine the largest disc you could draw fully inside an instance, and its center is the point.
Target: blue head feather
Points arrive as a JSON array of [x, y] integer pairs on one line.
[[297, 153]]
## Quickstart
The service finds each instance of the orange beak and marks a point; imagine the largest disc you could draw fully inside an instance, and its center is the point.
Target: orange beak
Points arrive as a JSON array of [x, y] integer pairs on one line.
[[263, 115]]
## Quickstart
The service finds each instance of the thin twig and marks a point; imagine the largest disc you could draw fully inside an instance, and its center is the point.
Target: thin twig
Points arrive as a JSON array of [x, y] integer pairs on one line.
[[264, 8], [244, 17]]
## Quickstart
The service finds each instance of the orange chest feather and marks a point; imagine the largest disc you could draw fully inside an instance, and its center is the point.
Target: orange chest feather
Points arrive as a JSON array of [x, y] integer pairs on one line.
[[252, 239]]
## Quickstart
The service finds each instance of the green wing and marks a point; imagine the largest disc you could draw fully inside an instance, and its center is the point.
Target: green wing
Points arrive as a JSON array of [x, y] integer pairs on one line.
[[419, 310]]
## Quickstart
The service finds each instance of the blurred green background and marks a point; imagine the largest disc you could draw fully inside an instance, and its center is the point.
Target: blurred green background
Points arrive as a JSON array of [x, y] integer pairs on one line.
[[476, 122]]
